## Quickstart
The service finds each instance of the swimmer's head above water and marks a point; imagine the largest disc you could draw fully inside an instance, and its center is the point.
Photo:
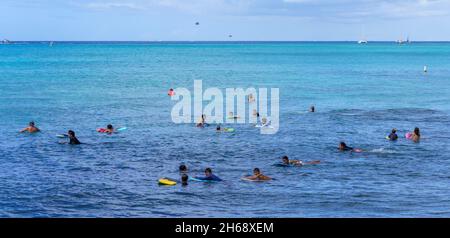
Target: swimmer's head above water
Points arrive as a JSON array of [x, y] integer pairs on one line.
[[208, 172], [285, 159], [183, 168]]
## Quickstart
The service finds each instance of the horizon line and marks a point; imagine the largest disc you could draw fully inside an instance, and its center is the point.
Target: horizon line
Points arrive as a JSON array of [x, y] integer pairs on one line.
[[218, 41]]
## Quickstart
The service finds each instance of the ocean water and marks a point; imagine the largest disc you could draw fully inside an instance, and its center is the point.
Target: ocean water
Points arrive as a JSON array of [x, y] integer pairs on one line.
[[360, 92]]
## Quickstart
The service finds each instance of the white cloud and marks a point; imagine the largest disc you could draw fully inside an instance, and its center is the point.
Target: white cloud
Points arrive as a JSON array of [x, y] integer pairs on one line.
[[321, 9]]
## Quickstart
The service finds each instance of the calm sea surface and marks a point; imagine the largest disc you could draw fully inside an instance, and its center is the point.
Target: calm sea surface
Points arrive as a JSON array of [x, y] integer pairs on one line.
[[361, 92]]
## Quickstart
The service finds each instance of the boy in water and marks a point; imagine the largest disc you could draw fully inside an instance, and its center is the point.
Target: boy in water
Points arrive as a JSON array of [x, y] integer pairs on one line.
[[393, 136], [73, 139], [31, 128], [344, 147], [257, 175], [286, 161], [109, 129], [209, 176]]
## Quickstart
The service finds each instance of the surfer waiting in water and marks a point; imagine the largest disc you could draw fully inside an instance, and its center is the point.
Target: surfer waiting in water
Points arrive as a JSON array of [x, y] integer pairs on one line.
[[286, 161], [73, 140], [257, 175], [393, 136], [109, 129], [344, 147], [202, 122], [312, 109], [31, 128], [209, 176]]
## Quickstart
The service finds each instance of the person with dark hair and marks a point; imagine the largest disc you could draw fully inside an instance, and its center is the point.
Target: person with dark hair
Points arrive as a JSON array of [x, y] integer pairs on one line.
[[344, 147], [202, 122], [209, 176], [312, 109], [393, 136], [183, 169], [258, 176], [287, 161], [416, 135], [109, 129], [73, 140], [31, 128]]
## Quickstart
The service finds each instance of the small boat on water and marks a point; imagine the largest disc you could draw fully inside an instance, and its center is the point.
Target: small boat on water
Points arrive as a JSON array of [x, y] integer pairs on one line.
[[6, 41], [362, 41]]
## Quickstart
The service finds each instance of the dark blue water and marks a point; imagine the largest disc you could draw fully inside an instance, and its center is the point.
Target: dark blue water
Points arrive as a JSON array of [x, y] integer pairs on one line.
[[360, 93]]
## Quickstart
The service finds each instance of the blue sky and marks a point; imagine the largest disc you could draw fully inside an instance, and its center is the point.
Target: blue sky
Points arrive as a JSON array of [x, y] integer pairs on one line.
[[148, 20]]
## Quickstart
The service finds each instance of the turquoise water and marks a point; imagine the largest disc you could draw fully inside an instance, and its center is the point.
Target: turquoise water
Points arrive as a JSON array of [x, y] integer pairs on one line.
[[360, 92]]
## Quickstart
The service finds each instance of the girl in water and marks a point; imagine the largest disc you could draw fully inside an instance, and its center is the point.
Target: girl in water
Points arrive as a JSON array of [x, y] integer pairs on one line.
[[416, 135]]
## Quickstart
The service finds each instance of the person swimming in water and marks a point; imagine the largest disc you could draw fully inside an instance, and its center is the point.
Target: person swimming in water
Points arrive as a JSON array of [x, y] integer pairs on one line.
[[209, 176], [258, 176], [202, 122], [109, 129], [251, 98], [184, 179], [312, 109], [416, 135], [393, 136], [287, 161], [344, 147], [31, 128], [183, 169], [171, 92], [264, 122], [232, 116], [73, 140]]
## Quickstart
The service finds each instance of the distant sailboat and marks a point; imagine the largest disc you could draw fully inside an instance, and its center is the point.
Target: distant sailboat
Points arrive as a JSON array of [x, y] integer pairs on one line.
[[401, 41], [363, 39]]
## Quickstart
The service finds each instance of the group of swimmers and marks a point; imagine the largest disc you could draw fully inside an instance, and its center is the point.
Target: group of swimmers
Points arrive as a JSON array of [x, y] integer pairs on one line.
[[73, 140], [257, 174], [414, 136]]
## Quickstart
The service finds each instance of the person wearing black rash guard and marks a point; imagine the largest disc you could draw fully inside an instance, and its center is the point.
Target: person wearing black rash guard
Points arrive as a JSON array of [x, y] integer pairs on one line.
[[73, 139], [184, 180], [344, 147], [393, 136]]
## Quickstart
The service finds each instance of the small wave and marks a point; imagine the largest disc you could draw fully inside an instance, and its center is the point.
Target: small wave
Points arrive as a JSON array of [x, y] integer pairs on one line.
[[383, 151]]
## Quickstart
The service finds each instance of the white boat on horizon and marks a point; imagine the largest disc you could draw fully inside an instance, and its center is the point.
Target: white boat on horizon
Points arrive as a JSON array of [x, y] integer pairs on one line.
[[6, 41], [362, 41]]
